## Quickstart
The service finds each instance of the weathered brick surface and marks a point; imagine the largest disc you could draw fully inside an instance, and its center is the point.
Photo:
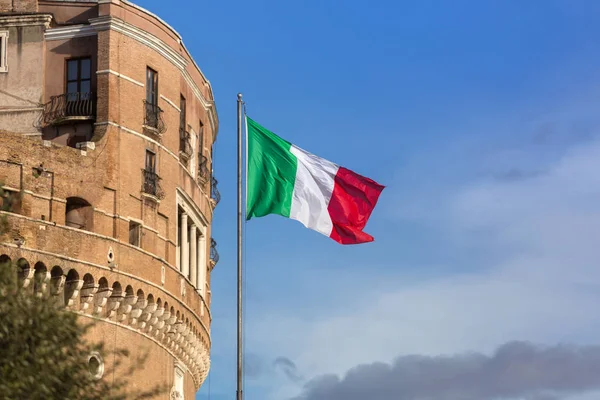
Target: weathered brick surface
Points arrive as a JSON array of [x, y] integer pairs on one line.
[[18, 5], [109, 177]]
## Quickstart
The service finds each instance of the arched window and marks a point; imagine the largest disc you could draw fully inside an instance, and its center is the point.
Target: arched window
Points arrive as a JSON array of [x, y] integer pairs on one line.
[[79, 214]]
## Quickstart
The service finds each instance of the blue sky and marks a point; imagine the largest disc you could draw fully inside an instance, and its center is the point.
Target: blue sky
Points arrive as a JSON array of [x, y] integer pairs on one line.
[[481, 118]]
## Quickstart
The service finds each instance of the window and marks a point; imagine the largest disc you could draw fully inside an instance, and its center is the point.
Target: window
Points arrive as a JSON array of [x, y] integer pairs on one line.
[[79, 77], [150, 161], [135, 230], [79, 214], [153, 113], [201, 137], [96, 365], [202, 160], [185, 146], [3, 51], [10, 201], [182, 115], [178, 387], [151, 86], [151, 183]]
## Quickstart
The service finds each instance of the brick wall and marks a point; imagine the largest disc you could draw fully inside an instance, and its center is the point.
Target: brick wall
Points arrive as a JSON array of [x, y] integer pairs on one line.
[[18, 6]]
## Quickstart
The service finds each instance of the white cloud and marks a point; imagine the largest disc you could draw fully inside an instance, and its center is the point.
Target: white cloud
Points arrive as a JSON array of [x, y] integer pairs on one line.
[[540, 282]]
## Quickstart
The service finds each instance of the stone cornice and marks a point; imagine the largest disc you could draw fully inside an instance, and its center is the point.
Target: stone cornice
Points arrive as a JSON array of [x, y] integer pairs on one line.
[[25, 20], [91, 264], [70, 32]]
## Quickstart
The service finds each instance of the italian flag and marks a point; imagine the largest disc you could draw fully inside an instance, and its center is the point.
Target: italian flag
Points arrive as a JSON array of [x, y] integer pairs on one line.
[[286, 180]]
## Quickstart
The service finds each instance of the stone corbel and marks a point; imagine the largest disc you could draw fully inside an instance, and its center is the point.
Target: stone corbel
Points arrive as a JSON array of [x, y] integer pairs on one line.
[[147, 314], [156, 316], [126, 306], [57, 285], [138, 308], [41, 280], [26, 275], [72, 289], [101, 298], [87, 295], [113, 304]]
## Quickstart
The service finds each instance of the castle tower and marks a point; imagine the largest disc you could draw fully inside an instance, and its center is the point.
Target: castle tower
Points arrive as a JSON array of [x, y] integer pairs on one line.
[[106, 133]]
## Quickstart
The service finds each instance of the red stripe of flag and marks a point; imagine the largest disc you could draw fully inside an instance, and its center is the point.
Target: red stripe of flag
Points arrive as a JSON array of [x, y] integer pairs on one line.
[[352, 202]]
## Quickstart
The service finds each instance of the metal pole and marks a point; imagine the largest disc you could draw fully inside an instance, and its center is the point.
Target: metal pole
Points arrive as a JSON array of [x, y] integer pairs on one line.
[[240, 394]]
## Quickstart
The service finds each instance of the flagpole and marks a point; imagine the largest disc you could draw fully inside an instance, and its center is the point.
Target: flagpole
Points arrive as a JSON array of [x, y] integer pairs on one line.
[[240, 366]]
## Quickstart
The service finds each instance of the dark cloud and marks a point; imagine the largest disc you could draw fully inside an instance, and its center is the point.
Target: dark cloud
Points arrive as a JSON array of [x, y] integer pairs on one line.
[[257, 367], [288, 367], [254, 365], [516, 174], [515, 370]]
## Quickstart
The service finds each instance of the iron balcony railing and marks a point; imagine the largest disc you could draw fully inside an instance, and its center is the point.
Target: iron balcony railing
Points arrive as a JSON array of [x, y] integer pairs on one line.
[[69, 106], [214, 254], [214, 191], [151, 184], [203, 171], [185, 144], [153, 117]]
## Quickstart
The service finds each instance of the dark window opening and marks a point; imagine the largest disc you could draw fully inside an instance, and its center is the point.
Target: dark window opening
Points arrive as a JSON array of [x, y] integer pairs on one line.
[[153, 113], [151, 86], [10, 201], [3, 51], [79, 214], [135, 230], [201, 138], [182, 115], [203, 172], [78, 88], [79, 76], [150, 161], [151, 183], [185, 145]]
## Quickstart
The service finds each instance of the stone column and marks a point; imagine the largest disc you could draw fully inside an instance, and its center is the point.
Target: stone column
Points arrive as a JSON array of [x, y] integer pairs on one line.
[[193, 254], [178, 252], [201, 285], [185, 248], [201, 250]]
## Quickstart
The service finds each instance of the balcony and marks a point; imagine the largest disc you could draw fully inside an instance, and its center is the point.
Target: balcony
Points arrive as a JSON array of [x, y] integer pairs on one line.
[[151, 184], [203, 172], [214, 191], [185, 144], [69, 107], [214, 254], [153, 118]]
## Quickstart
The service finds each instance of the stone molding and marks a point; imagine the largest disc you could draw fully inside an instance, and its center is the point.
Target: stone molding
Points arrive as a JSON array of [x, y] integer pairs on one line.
[[115, 73], [171, 103], [110, 239], [153, 314], [26, 20], [70, 32]]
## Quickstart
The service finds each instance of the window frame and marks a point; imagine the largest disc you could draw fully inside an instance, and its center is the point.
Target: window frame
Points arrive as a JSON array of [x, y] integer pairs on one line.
[[182, 112], [137, 226], [201, 138], [152, 86], [179, 381], [152, 158], [79, 79], [4, 51]]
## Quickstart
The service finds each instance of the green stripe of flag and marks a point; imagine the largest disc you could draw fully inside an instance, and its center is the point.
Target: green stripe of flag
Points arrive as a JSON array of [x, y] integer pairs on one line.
[[271, 173]]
